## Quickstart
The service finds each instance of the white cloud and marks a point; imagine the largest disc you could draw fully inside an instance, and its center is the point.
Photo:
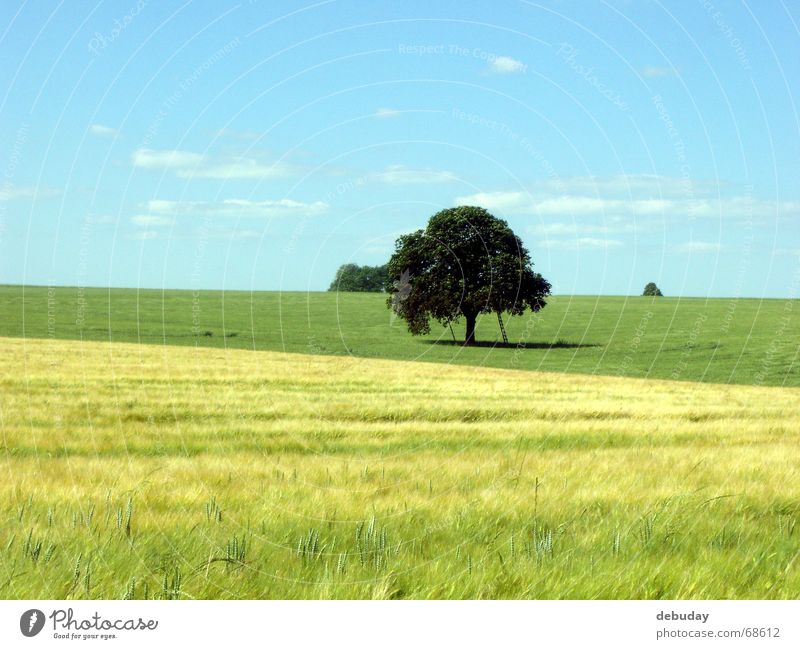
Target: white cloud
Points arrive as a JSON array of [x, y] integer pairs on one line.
[[238, 168], [582, 243], [557, 229], [523, 202], [246, 234], [233, 207], [233, 134], [386, 113], [9, 192], [144, 235], [103, 131], [399, 175], [228, 233], [508, 201], [658, 71], [698, 246], [506, 65], [560, 228], [625, 185], [588, 205], [102, 219], [149, 220], [187, 164], [379, 250], [644, 205], [171, 207], [165, 159]]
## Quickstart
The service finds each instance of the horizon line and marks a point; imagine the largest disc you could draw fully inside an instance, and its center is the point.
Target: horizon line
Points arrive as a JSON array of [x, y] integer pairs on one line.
[[261, 290]]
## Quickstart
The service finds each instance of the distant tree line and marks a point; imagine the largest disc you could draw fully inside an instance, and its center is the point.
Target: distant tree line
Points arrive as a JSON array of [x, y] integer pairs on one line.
[[360, 279]]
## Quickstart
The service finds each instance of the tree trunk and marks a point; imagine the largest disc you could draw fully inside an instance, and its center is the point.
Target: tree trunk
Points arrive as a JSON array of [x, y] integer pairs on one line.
[[469, 338]]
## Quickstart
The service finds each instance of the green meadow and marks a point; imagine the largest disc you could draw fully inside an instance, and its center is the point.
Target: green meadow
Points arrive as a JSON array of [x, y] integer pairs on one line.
[[743, 341]]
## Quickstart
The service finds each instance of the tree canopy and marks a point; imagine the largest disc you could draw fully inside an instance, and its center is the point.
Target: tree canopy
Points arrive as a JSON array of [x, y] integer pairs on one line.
[[360, 279], [651, 290], [464, 263]]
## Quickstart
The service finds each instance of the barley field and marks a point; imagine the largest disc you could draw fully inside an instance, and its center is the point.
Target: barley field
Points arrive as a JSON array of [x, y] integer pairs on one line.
[[146, 471]]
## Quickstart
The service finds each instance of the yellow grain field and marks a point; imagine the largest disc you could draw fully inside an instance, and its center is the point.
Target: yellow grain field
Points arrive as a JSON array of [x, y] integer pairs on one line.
[[169, 472]]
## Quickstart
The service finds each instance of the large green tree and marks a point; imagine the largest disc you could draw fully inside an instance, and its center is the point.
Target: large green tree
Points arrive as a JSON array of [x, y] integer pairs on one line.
[[464, 263]]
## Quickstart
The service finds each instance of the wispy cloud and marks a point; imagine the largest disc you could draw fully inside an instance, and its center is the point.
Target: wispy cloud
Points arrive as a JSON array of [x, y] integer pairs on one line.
[[504, 201], [386, 113], [234, 207], [9, 192], [698, 246], [150, 220], [187, 164], [150, 231], [102, 219], [615, 224], [382, 250], [244, 234], [12, 193], [581, 243], [625, 185], [506, 65], [399, 175], [144, 235], [565, 205], [523, 202], [165, 159], [227, 234], [234, 134], [238, 168], [652, 71], [99, 130], [605, 197]]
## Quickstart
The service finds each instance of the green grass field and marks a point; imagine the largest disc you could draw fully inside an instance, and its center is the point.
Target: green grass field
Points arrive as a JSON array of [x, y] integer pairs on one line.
[[152, 471], [744, 341]]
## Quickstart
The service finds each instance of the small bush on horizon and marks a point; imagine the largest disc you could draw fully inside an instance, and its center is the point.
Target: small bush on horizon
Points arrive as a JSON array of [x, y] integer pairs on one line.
[[651, 290]]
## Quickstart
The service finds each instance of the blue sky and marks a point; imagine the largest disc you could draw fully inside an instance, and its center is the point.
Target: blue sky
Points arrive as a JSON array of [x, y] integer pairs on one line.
[[259, 145]]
